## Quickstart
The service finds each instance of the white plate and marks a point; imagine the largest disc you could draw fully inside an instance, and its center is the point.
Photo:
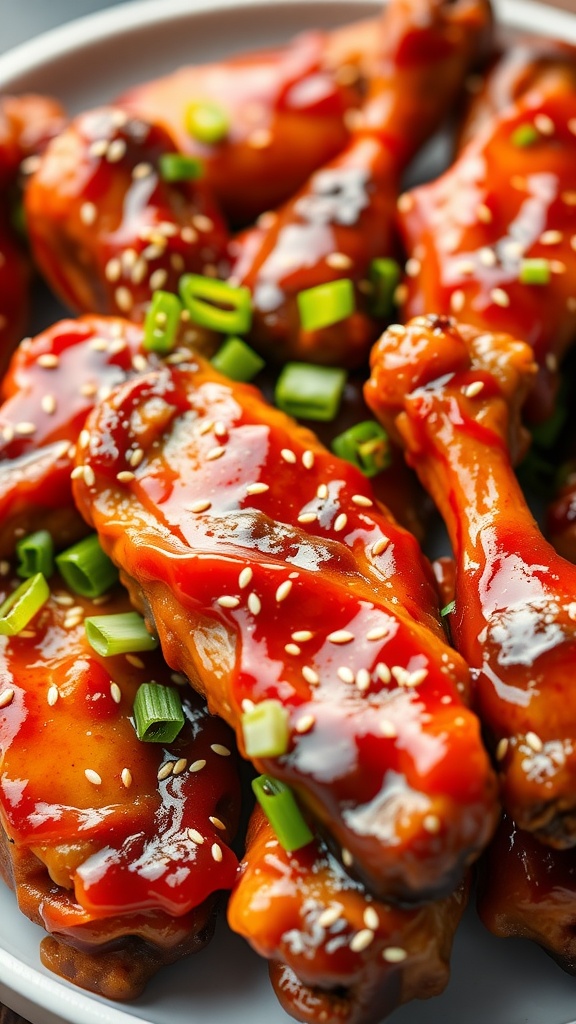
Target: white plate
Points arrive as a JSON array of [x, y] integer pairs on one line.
[[510, 982]]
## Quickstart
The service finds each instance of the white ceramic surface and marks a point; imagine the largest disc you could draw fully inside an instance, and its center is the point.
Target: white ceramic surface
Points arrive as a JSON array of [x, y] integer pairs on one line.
[[493, 982]]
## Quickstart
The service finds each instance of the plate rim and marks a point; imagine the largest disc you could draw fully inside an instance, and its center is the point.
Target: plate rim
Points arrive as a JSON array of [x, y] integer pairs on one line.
[[21, 985]]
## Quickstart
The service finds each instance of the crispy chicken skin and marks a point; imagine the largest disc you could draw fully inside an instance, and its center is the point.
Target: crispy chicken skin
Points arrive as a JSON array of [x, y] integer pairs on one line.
[[508, 200], [106, 229], [452, 394], [269, 572], [343, 217], [120, 867]]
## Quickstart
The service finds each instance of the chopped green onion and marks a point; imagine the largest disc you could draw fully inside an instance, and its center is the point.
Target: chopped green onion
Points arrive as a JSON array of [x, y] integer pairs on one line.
[[365, 445], [206, 300], [265, 730], [179, 167], [326, 304], [124, 633], [158, 714], [161, 324], [279, 805], [36, 554], [235, 359], [86, 569], [21, 606], [310, 392], [525, 135], [207, 121], [384, 276], [535, 271], [448, 609]]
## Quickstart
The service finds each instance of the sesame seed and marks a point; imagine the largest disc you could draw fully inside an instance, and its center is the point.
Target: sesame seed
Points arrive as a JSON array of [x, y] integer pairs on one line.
[[413, 267], [378, 633], [48, 361], [65, 600], [288, 455], [188, 235], [165, 770], [220, 749], [4, 567], [6, 698], [465, 267], [363, 679], [534, 742], [474, 388], [98, 148], [305, 723], [484, 213], [139, 271], [257, 488], [88, 213], [551, 361], [345, 674], [126, 778], [116, 151], [93, 776], [379, 546], [202, 223], [347, 858], [123, 298], [388, 729], [89, 476], [115, 692], [30, 164], [361, 941], [245, 577], [405, 203], [215, 453], [307, 517], [260, 139], [135, 457], [180, 766], [457, 301], [417, 677], [362, 500], [558, 266], [125, 476], [292, 649], [220, 429], [383, 672], [551, 238], [227, 601], [487, 257], [217, 822], [198, 765], [25, 428], [502, 748], [330, 915], [544, 124], [371, 919], [310, 675], [339, 261], [139, 363], [340, 636], [142, 170], [431, 823], [500, 297], [302, 635], [77, 472], [308, 459], [283, 590], [394, 954], [206, 427], [322, 492], [340, 522], [254, 603], [195, 836], [134, 660], [201, 506], [8, 433], [216, 852], [247, 705], [158, 279]]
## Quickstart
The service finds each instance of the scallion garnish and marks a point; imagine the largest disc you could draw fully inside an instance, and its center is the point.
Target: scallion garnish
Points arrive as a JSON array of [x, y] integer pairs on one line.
[[365, 445], [124, 633], [217, 305], [21, 606], [448, 609], [161, 324], [35, 554], [534, 271], [207, 121], [384, 276], [235, 359], [179, 167], [310, 392], [326, 304], [279, 805], [158, 714], [86, 568], [265, 730], [525, 135]]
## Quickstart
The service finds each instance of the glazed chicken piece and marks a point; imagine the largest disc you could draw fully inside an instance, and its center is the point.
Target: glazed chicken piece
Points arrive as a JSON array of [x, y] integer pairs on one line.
[[337, 955], [107, 227], [453, 394], [561, 515], [527, 890], [284, 113], [343, 217], [115, 846], [491, 240], [270, 573], [26, 124]]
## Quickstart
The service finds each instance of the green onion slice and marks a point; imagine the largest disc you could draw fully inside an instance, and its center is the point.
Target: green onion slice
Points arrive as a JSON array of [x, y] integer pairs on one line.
[[384, 276], [179, 167], [86, 569], [158, 714], [448, 609], [310, 392], [161, 324], [365, 445], [207, 121], [525, 135], [36, 554], [217, 305], [535, 271], [279, 805], [21, 606], [326, 304], [235, 359], [265, 729], [124, 633]]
